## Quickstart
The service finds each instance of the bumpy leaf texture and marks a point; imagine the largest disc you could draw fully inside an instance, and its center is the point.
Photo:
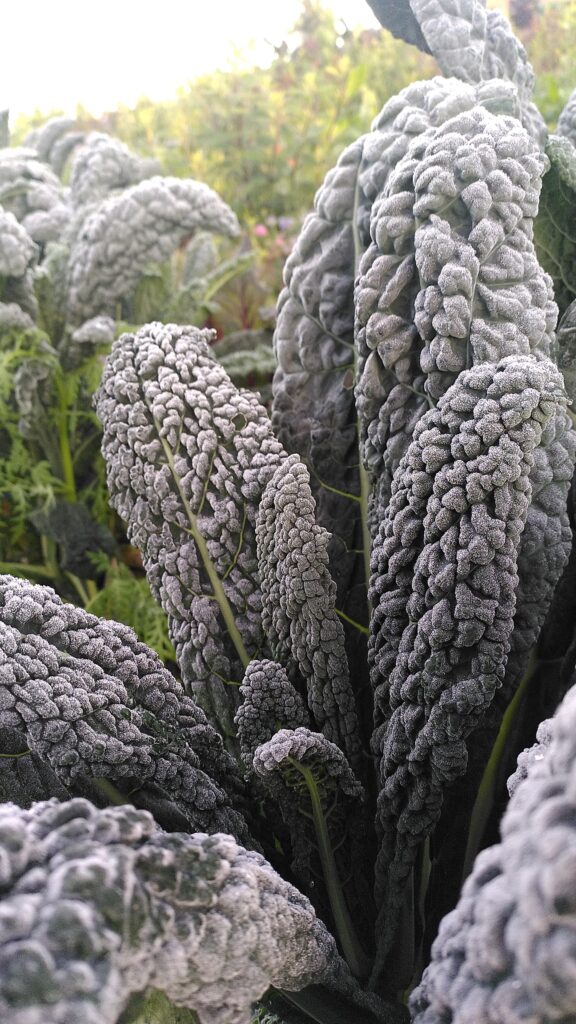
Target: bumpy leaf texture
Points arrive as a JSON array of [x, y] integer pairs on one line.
[[18, 254], [102, 165], [100, 904], [314, 411], [91, 701], [279, 764], [451, 278], [468, 42], [269, 702], [298, 601], [33, 193], [444, 592], [507, 952], [124, 233], [188, 457], [44, 138]]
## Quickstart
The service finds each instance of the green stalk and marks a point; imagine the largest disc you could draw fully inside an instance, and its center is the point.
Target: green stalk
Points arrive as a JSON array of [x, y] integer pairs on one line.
[[25, 570], [66, 461], [219, 592], [485, 798], [354, 955]]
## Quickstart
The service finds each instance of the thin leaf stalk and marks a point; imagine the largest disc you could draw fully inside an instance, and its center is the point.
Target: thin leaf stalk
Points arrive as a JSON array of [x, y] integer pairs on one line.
[[353, 953], [216, 583], [485, 799]]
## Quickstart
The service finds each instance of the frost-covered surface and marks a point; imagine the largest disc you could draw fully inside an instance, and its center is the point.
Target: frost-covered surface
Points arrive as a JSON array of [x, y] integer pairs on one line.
[[18, 255], [31, 190], [188, 456], [507, 952], [17, 249], [269, 702], [451, 278], [298, 600], [124, 233], [444, 590], [100, 904], [45, 138], [102, 165], [93, 702], [308, 748]]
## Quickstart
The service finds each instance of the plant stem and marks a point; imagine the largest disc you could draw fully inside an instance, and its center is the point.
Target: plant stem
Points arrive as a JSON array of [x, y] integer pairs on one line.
[[219, 592], [355, 957], [24, 569], [66, 461], [485, 798]]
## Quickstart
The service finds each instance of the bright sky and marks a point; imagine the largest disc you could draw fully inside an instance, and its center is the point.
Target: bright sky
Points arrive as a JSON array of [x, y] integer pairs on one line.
[[58, 53]]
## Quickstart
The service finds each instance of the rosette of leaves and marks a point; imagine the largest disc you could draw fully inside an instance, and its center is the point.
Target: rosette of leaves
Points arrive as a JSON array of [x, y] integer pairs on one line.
[[221, 546]]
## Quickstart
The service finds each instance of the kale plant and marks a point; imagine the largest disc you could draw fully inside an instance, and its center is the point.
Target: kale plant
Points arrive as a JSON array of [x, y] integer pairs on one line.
[[117, 243], [371, 597]]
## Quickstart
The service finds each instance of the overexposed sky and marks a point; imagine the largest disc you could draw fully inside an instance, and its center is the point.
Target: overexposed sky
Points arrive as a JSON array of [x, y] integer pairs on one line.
[[100, 53]]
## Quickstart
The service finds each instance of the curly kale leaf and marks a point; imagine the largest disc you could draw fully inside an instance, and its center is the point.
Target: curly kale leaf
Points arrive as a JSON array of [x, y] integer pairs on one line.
[[468, 42], [44, 138], [93, 702], [100, 904], [313, 411], [554, 228], [103, 165], [17, 250], [125, 233], [299, 614], [444, 593], [269, 703], [507, 951], [451, 278], [188, 456], [321, 802]]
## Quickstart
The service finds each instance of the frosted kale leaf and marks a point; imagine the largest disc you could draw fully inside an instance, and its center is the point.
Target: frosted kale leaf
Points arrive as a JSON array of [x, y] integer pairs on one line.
[[17, 251], [313, 411], [100, 904], [554, 230], [44, 138], [451, 278], [269, 703], [321, 802], [188, 456], [507, 951], [102, 165], [299, 613], [468, 42], [125, 233], [92, 701], [33, 193], [18, 254], [444, 592]]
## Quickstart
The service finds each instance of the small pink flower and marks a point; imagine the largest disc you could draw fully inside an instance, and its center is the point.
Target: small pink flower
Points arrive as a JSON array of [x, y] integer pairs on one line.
[[260, 230]]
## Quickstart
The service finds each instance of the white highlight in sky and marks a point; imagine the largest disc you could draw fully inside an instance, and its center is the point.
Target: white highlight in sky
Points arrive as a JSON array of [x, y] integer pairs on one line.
[[104, 53]]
